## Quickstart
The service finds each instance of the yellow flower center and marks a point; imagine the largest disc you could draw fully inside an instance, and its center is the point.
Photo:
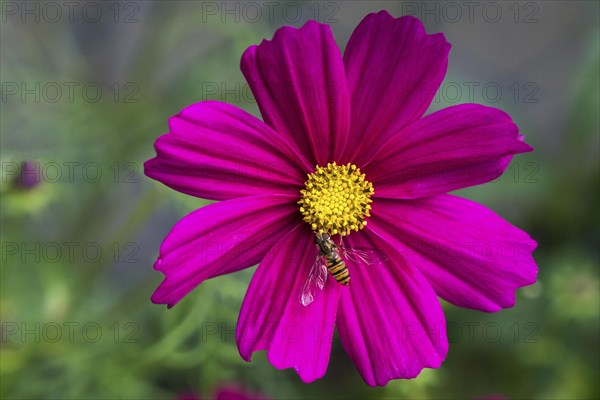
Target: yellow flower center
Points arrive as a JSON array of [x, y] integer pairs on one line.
[[336, 199]]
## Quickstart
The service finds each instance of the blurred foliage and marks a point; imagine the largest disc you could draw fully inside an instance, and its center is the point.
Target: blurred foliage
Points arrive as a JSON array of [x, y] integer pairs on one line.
[[549, 342]]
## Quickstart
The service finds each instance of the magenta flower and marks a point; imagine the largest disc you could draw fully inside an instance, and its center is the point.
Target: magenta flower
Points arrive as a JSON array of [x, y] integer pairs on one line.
[[344, 149]]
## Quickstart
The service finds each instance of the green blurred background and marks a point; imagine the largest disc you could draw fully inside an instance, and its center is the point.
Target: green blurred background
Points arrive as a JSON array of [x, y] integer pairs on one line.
[[86, 89]]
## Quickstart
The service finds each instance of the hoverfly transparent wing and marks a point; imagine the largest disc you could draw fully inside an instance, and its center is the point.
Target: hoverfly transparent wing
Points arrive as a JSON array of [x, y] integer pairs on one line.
[[361, 255], [315, 281]]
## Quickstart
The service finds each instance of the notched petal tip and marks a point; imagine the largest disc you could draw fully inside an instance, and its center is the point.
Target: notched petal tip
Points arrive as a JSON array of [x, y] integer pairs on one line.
[[159, 298], [152, 165], [282, 34], [149, 166], [158, 264], [525, 146], [520, 146], [304, 376], [284, 31], [441, 37], [513, 128], [245, 357], [418, 25], [249, 54]]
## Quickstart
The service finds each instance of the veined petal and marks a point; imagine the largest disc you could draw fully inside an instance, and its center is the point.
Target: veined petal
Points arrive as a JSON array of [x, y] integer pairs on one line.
[[272, 317], [394, 69], [218, 239], [217, 151], [390, 322], [300, 86], [453, 148], [472, 257]]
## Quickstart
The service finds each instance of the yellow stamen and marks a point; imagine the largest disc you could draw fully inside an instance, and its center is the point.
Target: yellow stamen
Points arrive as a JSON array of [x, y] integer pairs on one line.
[[336, 199]]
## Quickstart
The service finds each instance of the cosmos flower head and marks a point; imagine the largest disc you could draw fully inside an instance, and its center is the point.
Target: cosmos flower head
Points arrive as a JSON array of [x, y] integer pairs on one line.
[[346, 159]]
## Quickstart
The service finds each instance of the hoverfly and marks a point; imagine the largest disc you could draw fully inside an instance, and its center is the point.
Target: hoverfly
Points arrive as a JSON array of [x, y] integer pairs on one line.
[[329, 260]]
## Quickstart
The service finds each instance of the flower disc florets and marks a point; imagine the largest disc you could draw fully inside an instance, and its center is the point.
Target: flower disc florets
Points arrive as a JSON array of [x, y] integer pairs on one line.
[[336, 199]]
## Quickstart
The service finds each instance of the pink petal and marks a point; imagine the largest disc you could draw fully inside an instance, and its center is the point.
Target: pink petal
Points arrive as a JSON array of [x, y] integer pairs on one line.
[[390, 321], [459, 146], [300, 86], [217, 151], [272, 317], [219, 239], [472, 257], [394, 70]]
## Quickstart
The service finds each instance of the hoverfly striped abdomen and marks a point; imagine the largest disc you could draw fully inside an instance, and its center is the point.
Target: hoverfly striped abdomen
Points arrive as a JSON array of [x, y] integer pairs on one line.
[[337, 268], [335, 265]]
